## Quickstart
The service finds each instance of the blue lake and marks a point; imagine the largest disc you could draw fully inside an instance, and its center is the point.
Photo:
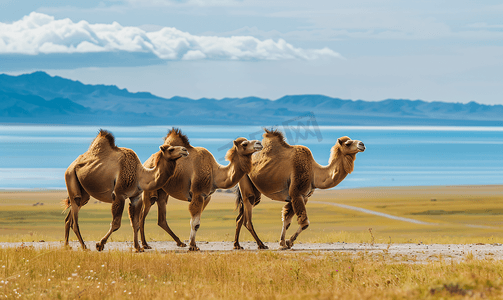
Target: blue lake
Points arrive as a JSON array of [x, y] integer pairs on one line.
[[33, 157]]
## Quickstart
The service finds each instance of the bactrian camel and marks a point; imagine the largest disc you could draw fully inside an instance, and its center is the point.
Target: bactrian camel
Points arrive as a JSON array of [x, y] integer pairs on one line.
[[289, 173], [112, 174], [195, 179]]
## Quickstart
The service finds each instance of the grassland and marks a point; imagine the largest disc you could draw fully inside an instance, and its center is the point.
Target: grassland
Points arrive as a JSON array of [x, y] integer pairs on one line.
[[62, 274], [459, 214], [462, 214]]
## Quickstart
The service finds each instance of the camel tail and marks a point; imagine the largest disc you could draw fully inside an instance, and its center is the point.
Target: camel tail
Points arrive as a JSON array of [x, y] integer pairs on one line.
[[239, 199], [66, 204]]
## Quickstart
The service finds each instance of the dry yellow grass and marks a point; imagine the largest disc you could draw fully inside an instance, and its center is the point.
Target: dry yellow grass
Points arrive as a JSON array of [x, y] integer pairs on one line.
[[62, 274]]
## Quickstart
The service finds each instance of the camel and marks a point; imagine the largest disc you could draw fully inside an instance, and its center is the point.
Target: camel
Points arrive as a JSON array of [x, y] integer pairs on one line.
[[112, 174], [289, 173], [195, 179]]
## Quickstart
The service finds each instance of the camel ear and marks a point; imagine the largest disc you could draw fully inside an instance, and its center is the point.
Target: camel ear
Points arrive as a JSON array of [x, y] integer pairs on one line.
[[339, 141], [236, 143], [163, 148]]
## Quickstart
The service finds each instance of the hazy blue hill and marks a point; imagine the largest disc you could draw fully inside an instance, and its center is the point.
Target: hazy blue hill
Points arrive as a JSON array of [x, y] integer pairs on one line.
[[253, 103], [310, 101], [41, 98], [48, 87], [13, 105]]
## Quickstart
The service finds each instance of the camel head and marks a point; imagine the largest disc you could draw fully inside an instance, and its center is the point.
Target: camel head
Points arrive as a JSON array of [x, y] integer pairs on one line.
[[349, 146], [173, 152], [246, 147]]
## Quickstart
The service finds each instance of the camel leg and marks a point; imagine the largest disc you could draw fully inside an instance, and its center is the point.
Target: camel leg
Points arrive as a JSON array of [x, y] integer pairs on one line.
[[287, 215], [206, 202], [148, 198], [135, 207], [299, 207], [244, 189], [77, 197], [248, 207], [161, 217], [68, 224], [239, 223], [117, 209], [249, 196], [195, 209], [75, 221]]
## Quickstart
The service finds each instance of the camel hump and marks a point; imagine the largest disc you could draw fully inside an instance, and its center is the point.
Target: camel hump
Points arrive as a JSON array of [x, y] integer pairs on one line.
[[104, 140], [108, 136], [277, 136], [175, 137]]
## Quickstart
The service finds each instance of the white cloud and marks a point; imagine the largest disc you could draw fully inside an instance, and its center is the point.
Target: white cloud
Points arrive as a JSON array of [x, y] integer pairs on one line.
[[40, 33], [193, 55]]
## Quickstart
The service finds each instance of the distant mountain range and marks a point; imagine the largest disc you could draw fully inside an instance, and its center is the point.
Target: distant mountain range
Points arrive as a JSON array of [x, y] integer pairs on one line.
[[42, 99]]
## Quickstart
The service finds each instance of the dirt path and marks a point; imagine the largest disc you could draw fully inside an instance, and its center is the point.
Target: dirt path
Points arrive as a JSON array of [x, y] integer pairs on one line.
[[408, 220], [412, 253], [368, 211]]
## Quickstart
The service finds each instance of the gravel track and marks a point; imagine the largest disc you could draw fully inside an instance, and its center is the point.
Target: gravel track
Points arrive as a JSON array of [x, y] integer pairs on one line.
[[414, 253]]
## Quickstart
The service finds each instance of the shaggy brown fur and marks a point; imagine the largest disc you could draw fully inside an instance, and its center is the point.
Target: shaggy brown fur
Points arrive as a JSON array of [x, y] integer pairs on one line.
[[289, 173], [194, 180], [127, 175], [175, 137], [112, 174], [109, 136], [275, 133]]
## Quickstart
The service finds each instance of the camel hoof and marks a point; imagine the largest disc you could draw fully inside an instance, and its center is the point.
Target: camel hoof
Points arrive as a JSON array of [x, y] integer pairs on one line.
[[193, 248], [99, 246], [145, 246], [264, 247], [139, 250], [181, 244], [238, 247], [285, 245]]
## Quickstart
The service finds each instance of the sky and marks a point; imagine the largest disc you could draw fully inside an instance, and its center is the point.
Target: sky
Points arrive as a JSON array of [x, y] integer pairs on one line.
[[449, 51]]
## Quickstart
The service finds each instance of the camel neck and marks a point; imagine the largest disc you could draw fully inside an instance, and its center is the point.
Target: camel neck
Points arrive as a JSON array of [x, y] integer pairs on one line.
[[228, 176], [339, 167], [156, 177]]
